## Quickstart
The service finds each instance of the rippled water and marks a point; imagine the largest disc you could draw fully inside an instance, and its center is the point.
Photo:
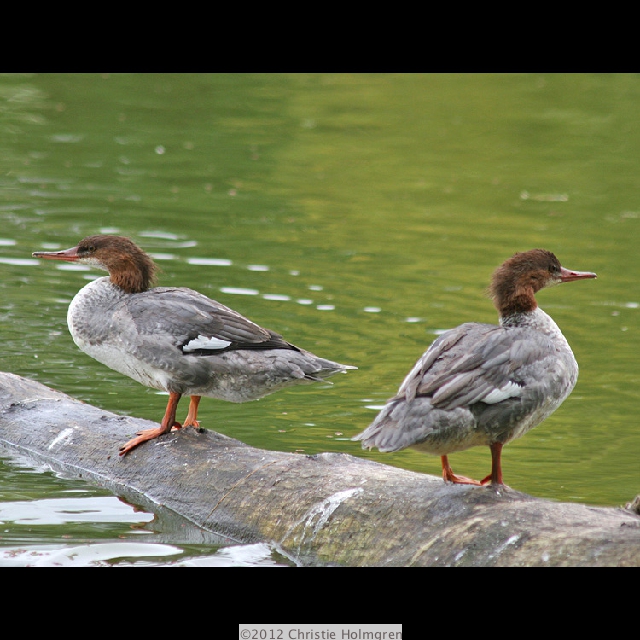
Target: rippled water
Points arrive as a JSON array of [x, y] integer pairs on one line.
[[80, 526], [358, 215]]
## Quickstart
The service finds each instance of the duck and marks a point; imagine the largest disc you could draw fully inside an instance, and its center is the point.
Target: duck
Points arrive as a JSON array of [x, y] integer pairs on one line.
[[175, 339], [485, 384]]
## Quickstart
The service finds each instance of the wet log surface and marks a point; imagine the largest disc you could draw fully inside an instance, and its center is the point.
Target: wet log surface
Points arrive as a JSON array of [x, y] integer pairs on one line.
[[328, 509]]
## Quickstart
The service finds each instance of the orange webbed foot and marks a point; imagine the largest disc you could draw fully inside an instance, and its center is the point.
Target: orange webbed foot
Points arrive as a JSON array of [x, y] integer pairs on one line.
[[462, 480], [449, 476], [142, 436], [168, 422]]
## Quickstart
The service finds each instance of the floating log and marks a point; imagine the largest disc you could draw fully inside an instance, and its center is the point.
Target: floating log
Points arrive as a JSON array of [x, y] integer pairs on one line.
[[325, 509]]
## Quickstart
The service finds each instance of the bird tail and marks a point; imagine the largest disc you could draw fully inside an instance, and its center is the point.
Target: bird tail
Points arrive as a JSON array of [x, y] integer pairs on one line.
[[323, 368], [376, 434]]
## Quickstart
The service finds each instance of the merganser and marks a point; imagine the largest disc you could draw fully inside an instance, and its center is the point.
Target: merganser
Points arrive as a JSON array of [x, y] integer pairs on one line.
[[176, 339], [484, 384]]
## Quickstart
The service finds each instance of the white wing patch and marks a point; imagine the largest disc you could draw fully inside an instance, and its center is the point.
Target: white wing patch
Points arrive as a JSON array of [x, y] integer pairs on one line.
[[205, 342], [509, 390]]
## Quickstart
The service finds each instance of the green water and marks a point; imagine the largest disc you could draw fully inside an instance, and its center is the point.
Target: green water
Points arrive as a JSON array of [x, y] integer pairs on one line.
[[358, 215]]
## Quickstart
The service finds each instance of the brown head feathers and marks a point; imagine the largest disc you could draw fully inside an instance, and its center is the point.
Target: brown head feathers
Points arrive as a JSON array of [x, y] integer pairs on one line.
[[515, 282], [129, 267]]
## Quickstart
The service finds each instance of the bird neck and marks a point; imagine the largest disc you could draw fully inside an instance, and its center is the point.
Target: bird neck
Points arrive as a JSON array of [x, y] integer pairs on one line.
[[517, 300], [133, 274]]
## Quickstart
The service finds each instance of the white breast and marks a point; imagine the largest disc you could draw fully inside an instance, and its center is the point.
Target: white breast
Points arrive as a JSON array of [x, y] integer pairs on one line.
[[88, 313], [128, 365]]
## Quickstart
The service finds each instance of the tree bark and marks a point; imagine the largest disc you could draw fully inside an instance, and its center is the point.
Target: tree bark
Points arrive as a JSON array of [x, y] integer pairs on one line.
[[327, 509]]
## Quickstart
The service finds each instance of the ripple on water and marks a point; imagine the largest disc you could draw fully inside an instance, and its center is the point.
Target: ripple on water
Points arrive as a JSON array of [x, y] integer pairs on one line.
[[73, 267], [276, 296], [162, 235], [239, 291], [20, 262], [216, 262], [124, 553], [66, 510]]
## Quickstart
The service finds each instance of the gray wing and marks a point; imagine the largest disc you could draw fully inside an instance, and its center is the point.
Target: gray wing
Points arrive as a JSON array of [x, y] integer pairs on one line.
[[197, 324], [479, 363]]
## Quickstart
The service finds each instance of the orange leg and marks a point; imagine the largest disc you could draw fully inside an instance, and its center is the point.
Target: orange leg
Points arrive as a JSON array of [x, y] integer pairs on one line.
[[496, 465], [449, 476], [192, 415], [167, 423]]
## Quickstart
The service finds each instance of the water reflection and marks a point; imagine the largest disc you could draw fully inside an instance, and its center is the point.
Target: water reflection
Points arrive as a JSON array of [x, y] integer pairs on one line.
[[81, 526], [126, 554]]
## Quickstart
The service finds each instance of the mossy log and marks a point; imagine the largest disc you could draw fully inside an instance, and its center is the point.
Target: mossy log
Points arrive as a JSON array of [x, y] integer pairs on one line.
[[327, 509]]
